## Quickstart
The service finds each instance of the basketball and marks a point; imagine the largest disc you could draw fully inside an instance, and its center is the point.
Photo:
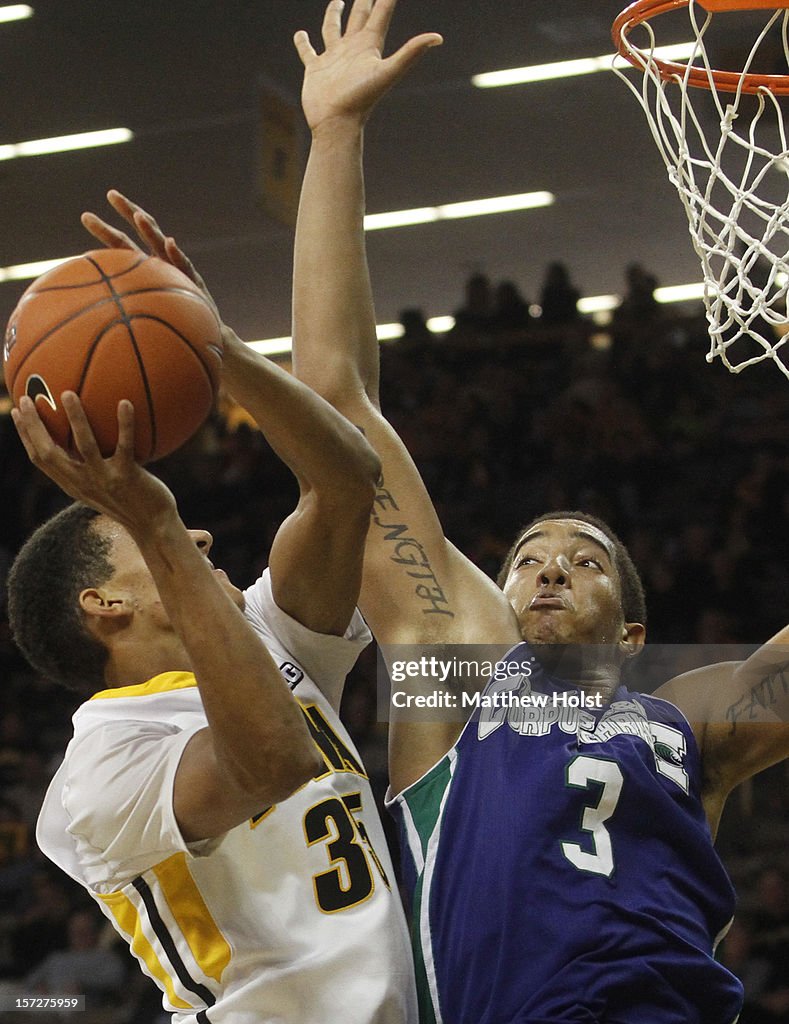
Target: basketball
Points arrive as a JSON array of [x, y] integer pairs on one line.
[[115, 324]]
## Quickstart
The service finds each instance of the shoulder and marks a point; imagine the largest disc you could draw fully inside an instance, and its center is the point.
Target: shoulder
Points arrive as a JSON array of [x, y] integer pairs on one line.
[[169, 699], [325, 658], [274, 624], [124, 736], [661, 708]]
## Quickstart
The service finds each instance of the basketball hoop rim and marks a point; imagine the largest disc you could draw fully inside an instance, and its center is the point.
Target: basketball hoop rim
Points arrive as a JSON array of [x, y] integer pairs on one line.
[[726, 81]]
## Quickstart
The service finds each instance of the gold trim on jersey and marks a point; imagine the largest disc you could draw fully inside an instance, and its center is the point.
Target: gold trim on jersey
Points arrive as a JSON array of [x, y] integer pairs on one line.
[[162, 683], [260, 818], [128, 919], [207, 943], [336, 755], [348, 880]]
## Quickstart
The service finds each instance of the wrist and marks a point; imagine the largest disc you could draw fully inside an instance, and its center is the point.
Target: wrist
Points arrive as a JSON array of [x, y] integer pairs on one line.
[[163, 539], [152, 523], [339, 129], [231, 343], [242, 367]]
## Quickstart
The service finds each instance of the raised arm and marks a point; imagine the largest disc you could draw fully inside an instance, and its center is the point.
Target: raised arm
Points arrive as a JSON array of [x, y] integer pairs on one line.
[[316, 557], [257, 749], [317, 554], [740, 716], [417, 587]]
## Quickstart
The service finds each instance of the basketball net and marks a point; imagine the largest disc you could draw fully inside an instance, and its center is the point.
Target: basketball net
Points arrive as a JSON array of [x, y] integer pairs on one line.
[[722, 137]]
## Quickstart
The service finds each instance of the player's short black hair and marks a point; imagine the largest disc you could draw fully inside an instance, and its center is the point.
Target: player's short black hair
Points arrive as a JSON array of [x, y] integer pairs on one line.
[[63, 557], [634, 606]]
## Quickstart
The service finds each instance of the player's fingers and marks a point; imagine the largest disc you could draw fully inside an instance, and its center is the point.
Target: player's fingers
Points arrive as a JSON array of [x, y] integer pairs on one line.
[[122, 205], [331, 30], [150, 232], [81, 432], [32, 432], [125, 446], [175, 255], [134, 214], [304, 47], [20, 423], [410, 52], [359, 16], [381, 17], [106, 233]]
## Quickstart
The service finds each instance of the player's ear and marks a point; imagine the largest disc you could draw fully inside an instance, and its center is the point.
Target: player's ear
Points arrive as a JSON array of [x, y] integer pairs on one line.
[[103, 603], [633, 637]]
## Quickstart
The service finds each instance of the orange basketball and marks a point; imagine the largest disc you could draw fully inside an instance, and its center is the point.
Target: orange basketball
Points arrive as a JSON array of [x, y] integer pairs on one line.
[[116, 324]]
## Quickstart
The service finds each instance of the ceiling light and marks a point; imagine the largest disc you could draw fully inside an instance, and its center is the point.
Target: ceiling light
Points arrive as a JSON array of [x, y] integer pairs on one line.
[[65, 143], [680, 292], [498, 204], [25, 271], [454, 211], [15, 12], [272, 346], [440, 324], [570, 68], [399, 218], [598, 303]]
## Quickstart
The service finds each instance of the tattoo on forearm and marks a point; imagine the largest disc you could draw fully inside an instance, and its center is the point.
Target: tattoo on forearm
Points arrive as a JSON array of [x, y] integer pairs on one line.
[[763, 696], [409, 553]]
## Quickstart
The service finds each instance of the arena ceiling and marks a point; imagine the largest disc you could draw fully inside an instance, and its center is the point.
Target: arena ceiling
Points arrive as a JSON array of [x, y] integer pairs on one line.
[[188, 77]]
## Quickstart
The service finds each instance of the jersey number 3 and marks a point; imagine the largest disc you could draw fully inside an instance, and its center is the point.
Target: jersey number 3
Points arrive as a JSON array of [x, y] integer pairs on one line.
[[582, 772], [349, 880]]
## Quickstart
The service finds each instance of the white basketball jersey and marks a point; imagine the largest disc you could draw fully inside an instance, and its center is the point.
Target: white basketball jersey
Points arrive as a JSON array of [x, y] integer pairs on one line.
[[290, 918]]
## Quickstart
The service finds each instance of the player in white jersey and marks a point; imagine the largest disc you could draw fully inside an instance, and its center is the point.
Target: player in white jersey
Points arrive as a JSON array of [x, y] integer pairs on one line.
[[226, 829], [290, 892]]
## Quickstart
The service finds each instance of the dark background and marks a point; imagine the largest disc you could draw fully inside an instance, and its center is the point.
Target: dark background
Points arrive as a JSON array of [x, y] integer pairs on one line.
[[506, 416]]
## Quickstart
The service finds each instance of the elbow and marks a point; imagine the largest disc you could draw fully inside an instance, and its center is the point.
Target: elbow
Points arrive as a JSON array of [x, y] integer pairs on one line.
[[309, 764], [347, 494], [353, 504], [341, 384], [296, 772], [277, 769], [364, 473], [370, 469]]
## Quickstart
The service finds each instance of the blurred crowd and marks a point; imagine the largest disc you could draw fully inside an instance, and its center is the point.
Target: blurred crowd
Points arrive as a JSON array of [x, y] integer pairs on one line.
[[519, 409]]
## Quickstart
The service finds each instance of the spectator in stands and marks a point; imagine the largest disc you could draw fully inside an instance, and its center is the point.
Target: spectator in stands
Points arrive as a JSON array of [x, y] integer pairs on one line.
[[771, 919], [511, 310], [41, 921], [83, 967], [753, 970], [558, 297], [476, 313], [415, 330], [639, 305]]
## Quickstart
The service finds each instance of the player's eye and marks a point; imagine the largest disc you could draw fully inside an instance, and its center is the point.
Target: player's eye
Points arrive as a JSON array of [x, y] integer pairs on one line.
[[586, 563], [525, 560]]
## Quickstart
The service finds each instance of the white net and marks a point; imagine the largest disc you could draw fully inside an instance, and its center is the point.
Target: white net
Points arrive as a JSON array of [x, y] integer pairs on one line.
[[726, 153]]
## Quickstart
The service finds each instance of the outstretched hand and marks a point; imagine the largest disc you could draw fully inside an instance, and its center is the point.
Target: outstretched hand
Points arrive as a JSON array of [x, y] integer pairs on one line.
[[150, 234], [117, 486], [351, 75]]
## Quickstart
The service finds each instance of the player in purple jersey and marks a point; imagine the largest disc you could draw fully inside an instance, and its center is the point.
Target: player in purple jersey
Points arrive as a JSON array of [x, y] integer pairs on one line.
[[560, 857]]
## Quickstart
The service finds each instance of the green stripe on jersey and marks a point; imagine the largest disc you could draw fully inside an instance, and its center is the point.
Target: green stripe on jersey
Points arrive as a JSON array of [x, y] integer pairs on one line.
[[422, 807], [424, 802]]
